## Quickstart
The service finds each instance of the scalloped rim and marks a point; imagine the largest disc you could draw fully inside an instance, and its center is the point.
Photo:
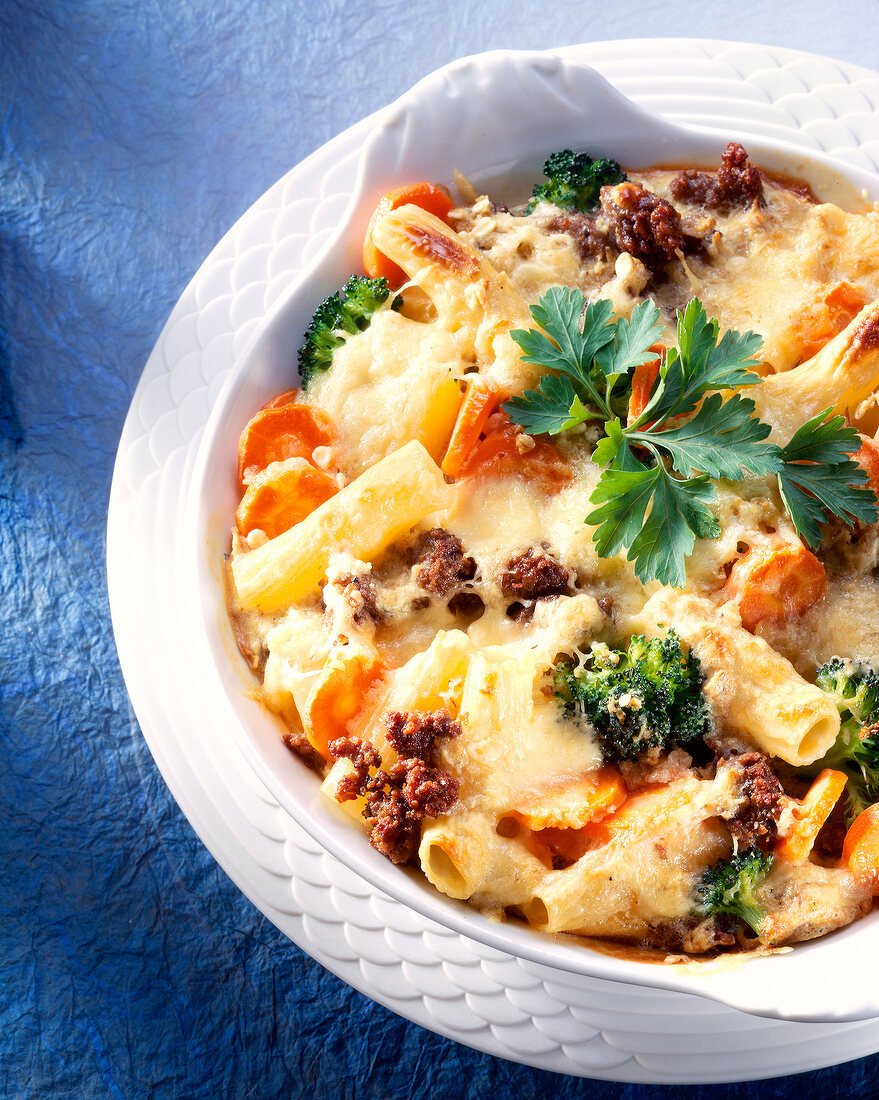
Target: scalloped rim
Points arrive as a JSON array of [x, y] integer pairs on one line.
[[805, 980]]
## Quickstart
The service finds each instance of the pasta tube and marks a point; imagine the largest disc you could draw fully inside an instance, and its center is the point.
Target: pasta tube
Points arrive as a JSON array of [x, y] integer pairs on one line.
[[431, 680], [616, 888], [380, 506], [843, 374], [757, 690], [455, 857], [475, 301]]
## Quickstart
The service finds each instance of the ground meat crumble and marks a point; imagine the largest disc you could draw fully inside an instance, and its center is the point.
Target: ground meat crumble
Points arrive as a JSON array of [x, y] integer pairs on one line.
[[363, 756], [440, 563], [299, 745], [642, 224], [412, 733], [361, 596], [736, 183], [590, 241], [400, 797], [532, 576], [689, 935], [755, 823]]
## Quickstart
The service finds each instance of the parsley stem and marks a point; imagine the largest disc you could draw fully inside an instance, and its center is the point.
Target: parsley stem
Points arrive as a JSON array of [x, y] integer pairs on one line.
[[601, 407], [611, 382]]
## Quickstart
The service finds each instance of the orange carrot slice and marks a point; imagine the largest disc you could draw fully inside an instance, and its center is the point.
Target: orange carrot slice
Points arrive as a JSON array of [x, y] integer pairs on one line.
[[281, 431], [567, 845], [868, 459], [286, 397], [277, 500], [479, 402], [860, 849], [440, 416], [429, 196], [338, 696], [814, 810], [647, 811], [643, 378], [501, 454], [776, 582], [575, 802], [816, 324]]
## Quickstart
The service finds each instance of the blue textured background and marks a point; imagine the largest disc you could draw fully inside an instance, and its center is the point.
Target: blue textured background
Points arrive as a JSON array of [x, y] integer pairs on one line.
[[133, 136]]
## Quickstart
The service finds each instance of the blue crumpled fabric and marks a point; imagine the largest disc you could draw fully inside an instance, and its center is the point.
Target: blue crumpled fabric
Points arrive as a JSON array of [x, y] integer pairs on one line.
[[133, 135]]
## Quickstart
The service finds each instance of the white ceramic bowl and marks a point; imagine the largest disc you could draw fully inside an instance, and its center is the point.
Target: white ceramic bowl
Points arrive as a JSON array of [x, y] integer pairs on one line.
[[495, 117]]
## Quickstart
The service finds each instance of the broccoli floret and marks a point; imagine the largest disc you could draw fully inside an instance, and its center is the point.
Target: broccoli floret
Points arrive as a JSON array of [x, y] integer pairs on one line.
[[729, 888], [338, 317], [647, 697], [854, 686], [856, 752], [574, 181]]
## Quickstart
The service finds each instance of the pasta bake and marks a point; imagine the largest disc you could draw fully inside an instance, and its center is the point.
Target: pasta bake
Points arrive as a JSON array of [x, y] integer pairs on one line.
[[559, 566]]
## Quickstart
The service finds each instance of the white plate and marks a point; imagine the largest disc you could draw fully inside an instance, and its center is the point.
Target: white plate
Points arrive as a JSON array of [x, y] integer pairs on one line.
[[472, 992]]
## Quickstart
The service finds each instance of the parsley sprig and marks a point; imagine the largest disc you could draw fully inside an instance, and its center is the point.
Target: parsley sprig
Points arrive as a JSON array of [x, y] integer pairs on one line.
[[819, 478], [652, 498]]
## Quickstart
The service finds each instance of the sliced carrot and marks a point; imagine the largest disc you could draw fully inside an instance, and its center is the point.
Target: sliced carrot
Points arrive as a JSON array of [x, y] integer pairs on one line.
[[429, 196], [501, 453], [647, 811], [285, 397], [813, 811], [281, 431], [440, 415], [814, 325], [338, 696], [278, 499], [575, 802], [643, 378], [776, 582], [860, 849], [868, 459], [845, 302], [480, 400]]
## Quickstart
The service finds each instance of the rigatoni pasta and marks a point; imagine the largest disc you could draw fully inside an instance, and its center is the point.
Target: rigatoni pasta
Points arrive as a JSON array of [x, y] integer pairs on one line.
[[842, 376], [752, 688], [367, 515]]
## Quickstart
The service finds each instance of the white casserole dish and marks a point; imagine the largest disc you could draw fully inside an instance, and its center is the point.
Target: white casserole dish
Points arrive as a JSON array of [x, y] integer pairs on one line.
[[493, 116]]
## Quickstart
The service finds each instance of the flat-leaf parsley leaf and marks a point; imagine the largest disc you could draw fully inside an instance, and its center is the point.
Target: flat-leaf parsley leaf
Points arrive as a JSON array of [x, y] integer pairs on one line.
[[819, 478]]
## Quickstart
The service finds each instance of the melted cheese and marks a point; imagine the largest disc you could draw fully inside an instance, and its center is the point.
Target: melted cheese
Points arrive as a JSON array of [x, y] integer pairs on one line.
[[380, 390]]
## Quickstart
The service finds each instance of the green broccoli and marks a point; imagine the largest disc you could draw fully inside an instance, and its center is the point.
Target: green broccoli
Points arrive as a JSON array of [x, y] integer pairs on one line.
[[854, 686], [728, 888], [338, 317], [574, 181], [648, 697]]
